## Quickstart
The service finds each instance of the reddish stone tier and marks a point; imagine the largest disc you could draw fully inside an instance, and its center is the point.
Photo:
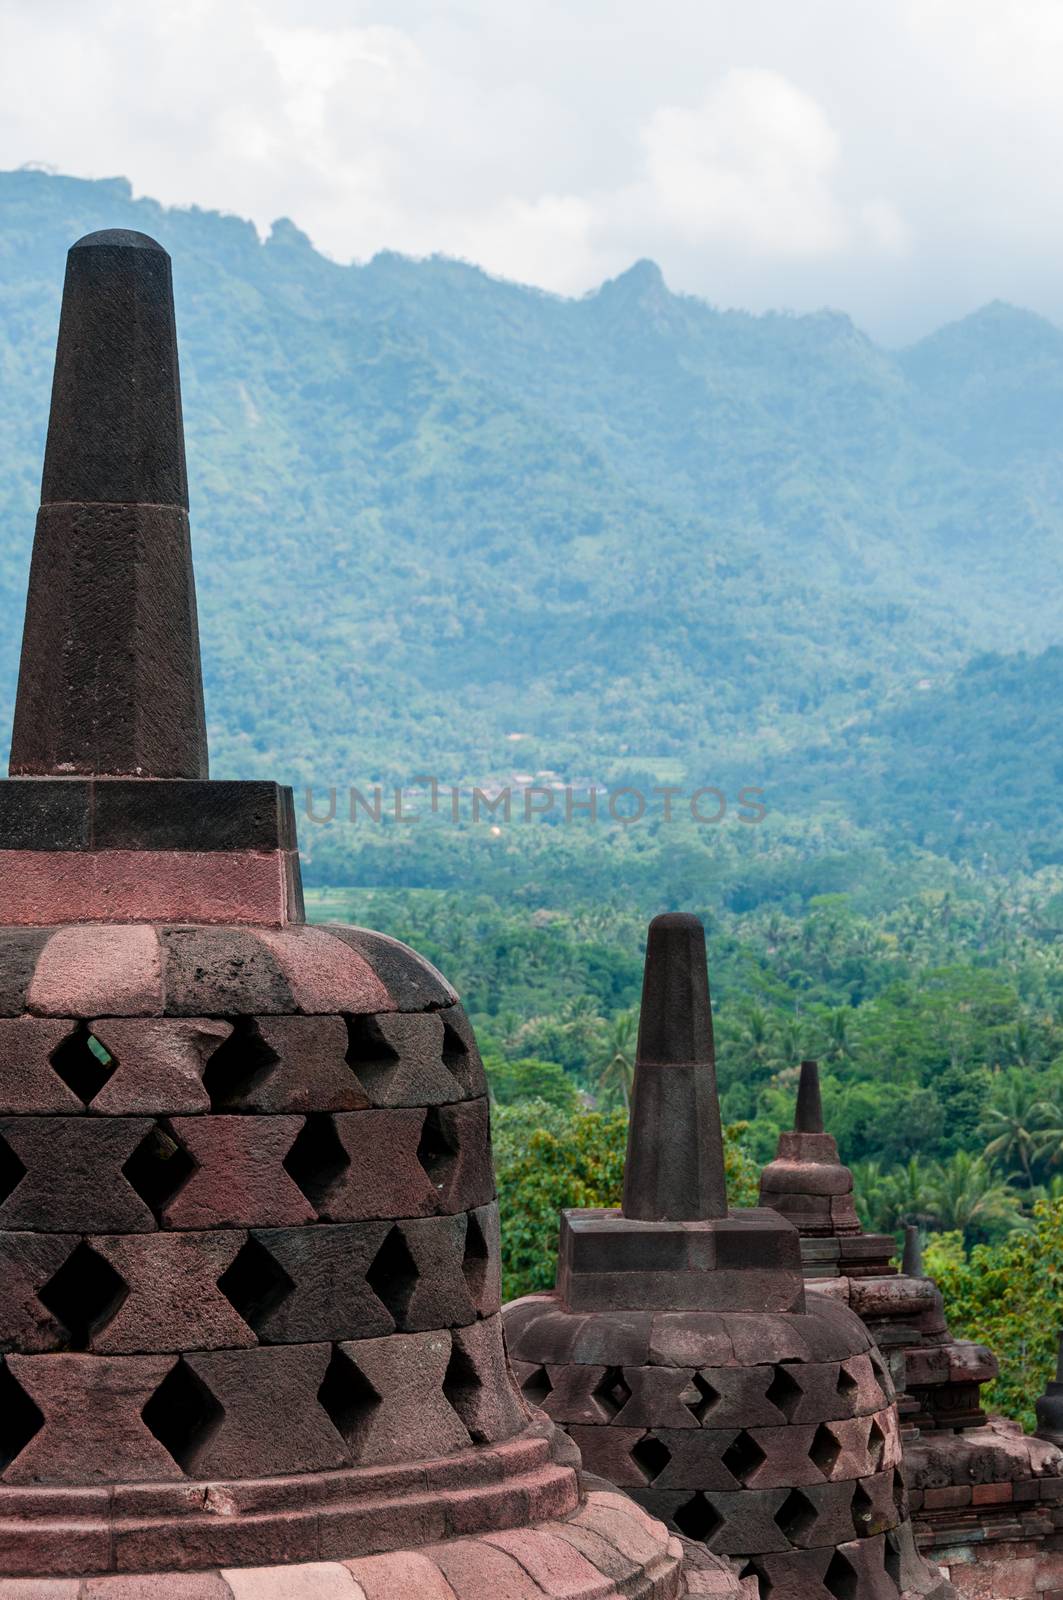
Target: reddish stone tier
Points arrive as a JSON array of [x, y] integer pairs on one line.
[[250, 1341], [251, 1291], [937, 1378], [681, 1353], [972, 1479]]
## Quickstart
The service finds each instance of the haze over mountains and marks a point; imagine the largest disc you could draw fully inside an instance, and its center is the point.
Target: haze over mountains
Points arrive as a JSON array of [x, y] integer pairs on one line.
[[431, 510]]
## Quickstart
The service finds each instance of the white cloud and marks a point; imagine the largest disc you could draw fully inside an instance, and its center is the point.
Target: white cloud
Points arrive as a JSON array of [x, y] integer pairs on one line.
[[547, 241], [900, 158], [753, 164]]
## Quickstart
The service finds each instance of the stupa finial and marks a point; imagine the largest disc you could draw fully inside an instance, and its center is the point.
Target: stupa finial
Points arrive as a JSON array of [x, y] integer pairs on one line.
[[109, 682], [1049, 1407], [675, 1169], [808, 1117], [912, 1259]]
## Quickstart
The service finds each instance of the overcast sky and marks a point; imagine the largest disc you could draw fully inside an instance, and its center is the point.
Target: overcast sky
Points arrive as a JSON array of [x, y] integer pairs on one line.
[[899, 159]]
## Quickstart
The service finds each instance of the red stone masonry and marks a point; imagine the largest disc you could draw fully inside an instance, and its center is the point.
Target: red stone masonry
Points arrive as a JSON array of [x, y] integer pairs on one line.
[[985, 1498], [681, 1352], [250, 1334]]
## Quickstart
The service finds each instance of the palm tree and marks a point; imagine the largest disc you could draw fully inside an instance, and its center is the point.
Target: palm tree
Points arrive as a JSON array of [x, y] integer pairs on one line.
[[1019, 1125], [755, 1037], [840, 1044], [789, 1047], [867, 1192], [582, 1023], [901, 1196], [968, 1197], [614, 1062]]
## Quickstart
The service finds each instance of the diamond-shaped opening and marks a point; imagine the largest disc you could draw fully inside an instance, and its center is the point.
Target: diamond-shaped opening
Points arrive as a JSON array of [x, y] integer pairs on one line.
[[393, 1275], [825, 1450], [840, 1578], [317, 1158], [612, 1392], [885, 1382], [255, 1284], [183, 1415], [796, 1517], [900, 1495], [20, 1418], [863, 1509], [537, 1386], [158, 1167], [891, 1560], [743, 1456], [876, 1446], [847, 1386], [348, 1398], [436, 1150], [12, 1170], [456, 1056], [369, 1056], [760, 1577], [651, 1456], [699, 1397], [84, 1294], [83, 1064], [697, 1518], [461, 1385], [784, 1392], [475, 1260], [238, 1066]]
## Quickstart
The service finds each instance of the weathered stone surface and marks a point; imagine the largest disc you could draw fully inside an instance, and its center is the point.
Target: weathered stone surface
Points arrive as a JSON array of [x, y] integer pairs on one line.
[[255, 1348], [412, 983], [326, 1296], [74, 1172], [479, 1385], [270, 1418], [91, 971], [323, 973], [124, 696], [92, 1429], [20, 950], [173, 1300], [399, 1059], [411, 1417], [27, 1262], [126, 886], [219, 815], [751, 1417], [157, 1063], [28, 1082], [373, 1168], [674, 1167], [239, 1178], [111, 574], [286, 1064], [221, 972]]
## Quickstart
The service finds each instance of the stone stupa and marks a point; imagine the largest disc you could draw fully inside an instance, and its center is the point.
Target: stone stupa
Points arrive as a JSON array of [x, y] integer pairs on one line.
[[249, 1312], [976, 1483], [682, 1353]]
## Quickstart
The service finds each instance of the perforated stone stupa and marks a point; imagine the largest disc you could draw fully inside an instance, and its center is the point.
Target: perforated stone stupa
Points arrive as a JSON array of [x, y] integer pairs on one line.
[[681, 1352], [249, 1308], [984, 1495]]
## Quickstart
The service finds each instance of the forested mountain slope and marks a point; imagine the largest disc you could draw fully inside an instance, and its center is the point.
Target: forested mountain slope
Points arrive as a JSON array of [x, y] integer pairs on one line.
[[431, 509]]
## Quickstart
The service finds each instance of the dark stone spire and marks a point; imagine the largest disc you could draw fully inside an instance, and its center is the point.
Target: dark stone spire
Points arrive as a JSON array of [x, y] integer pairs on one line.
[[675, 1169], [912, 1260], [809, 1115], [1049, 1407], [109, 682]]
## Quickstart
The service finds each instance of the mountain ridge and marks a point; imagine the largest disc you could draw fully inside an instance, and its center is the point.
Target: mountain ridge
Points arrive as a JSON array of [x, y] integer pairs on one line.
[[431, 507]]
